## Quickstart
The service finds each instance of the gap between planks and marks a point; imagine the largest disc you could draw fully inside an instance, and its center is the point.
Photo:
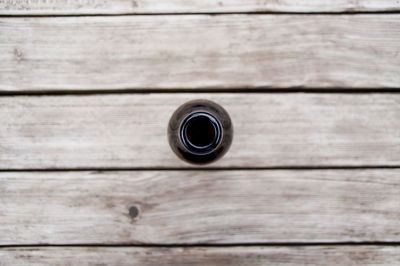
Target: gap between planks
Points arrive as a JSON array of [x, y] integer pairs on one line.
[[117, 7], [204, 168], [333, 13], [261, 90], [223, 245]]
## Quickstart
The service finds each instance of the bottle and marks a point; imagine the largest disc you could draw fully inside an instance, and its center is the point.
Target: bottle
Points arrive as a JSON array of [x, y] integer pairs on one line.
[[200, 131]]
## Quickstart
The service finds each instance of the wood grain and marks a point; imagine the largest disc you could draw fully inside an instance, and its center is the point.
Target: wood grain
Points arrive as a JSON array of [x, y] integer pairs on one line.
[[77, 7], [192, 207], [314, 255], [199, 52], [130, 130]]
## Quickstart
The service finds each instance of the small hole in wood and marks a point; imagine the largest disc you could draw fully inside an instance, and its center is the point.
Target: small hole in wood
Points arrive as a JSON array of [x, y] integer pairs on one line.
[[133, 212]]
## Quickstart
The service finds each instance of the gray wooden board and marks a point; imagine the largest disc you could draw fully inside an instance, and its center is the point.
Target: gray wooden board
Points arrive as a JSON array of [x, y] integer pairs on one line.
[[77, 7], [192, 207], [199, 52], [314, 255], [221, 52], [130, 130]]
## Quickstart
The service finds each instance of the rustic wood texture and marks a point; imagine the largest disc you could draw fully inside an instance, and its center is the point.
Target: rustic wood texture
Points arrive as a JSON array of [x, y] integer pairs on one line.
[[191, 207], [130, 130], [194, 52], [77, 7], [314, 255]]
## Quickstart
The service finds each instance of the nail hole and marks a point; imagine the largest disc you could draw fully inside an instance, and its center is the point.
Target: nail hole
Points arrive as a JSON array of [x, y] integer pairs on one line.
[[133, 212]]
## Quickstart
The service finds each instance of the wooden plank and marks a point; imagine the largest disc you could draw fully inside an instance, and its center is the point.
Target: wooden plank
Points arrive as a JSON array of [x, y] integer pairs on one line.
[[199, 52], [312, 255], [77, 7], [130, 130], [192, 207]]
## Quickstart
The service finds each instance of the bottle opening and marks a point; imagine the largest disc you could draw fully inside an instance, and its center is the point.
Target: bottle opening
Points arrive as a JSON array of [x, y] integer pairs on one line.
[[200, 133]]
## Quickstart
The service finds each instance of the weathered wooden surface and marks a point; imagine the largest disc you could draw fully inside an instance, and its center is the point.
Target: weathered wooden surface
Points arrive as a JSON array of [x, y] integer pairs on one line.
[[130, 130], [77, 7], [314, 255], [190, 207], [300, 208], [181, 52]]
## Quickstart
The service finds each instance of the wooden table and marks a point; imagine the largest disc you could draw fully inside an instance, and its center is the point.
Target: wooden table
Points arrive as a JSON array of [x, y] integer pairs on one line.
[[86, 92]]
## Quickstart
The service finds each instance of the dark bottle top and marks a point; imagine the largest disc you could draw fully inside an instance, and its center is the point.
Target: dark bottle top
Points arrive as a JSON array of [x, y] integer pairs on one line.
[[200, 131]]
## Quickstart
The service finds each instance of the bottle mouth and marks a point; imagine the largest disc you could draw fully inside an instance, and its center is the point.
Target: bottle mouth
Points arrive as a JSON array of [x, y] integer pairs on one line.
[[200, 133]]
